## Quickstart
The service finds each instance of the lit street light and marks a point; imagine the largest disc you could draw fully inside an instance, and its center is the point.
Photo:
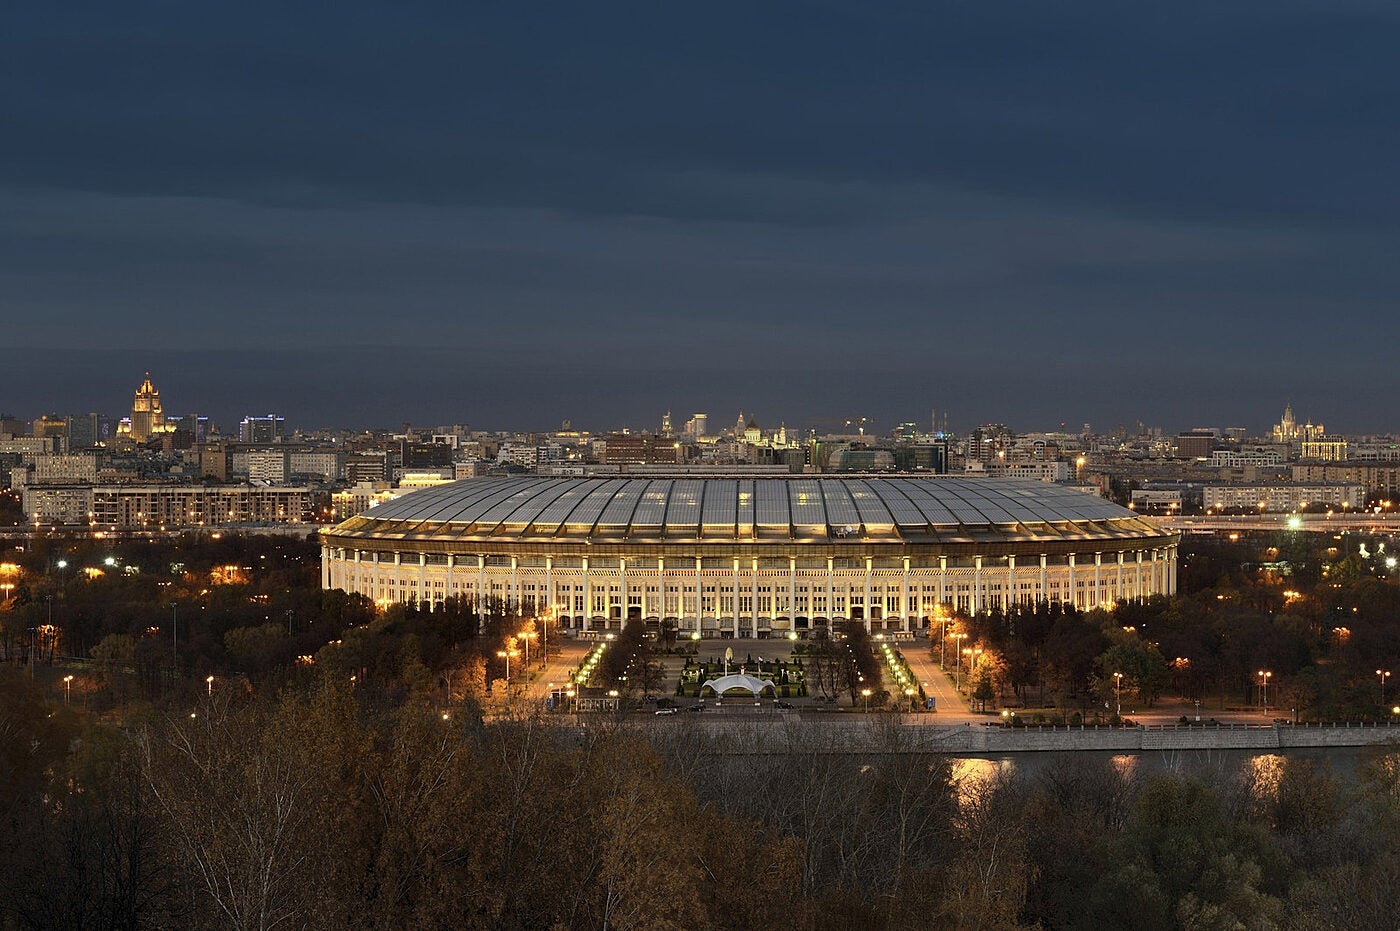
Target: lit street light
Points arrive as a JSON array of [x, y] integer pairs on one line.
[[67, 689], [865, 699], [1264, 677], [210, 683], [1118, 693], [957, 675], [175, 634], [507, 654], [1382, 674]]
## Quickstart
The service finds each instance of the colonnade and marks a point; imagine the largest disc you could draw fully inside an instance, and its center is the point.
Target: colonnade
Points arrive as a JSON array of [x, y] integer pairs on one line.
[[751, 594]]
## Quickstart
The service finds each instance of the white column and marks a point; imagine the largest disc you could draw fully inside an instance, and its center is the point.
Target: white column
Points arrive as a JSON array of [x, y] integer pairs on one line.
[[735, 619], [451, 561], [398, 577], [325, 567], [514, 590], [481, 581], [1120, 575], [1073, 589], [830, 590], [1044, 593], [661, 587], [753, 583], [1171, 569], [792, 593], [976, 584], [548, 583], [622, 585], [1138, 582], [868, 611], [904, 596], [943, 580], [1010, 596], [423, 581], [1098, 566], [587, 596]]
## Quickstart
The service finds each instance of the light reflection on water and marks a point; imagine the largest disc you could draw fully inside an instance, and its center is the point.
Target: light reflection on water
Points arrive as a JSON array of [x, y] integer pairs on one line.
[[1261, 771]]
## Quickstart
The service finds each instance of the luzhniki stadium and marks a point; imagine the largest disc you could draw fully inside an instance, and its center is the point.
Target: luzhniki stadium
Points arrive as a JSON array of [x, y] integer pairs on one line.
[[750, 556]]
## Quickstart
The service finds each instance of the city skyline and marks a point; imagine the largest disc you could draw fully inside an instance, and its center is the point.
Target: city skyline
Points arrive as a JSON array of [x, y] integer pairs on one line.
[[1007, 212], [933, 421]]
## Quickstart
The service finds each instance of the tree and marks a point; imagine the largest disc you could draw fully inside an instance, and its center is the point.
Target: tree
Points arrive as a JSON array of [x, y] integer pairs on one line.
[[238, 798], [983, 691]]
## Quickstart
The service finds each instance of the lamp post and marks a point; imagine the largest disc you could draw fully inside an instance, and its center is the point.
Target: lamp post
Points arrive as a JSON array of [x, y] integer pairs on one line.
[[67, 689], [972, 655], [175, 634], [506, 654], [1382, 674], [210, 683], [527, 636], [957, 676], [1264, 677], [1118, 693], [865, 700]]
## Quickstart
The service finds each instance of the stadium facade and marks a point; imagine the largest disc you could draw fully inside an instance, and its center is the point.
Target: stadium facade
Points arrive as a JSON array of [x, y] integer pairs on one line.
[[750, 556]]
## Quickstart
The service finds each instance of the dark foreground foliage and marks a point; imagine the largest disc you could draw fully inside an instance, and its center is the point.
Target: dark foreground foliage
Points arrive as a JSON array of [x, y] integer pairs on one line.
[[322, 809]]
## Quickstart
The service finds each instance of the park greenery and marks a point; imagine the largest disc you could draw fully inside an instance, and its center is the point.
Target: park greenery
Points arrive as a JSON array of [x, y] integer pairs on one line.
[[194, 735], [1308, 610]]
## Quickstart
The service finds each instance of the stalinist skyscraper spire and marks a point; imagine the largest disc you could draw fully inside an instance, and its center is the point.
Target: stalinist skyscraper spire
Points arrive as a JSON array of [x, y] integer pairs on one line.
[[147, 415]]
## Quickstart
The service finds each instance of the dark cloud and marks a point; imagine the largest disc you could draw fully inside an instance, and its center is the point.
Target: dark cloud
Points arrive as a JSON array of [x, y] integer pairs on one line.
[[508, 214]]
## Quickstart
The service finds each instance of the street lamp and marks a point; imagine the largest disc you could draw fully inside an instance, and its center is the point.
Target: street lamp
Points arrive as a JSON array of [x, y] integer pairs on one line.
[[175, 634], [957, 676], [507, 654], [1382, 674], [865, 700], [1264, 677], [1118, 693], [210, 683], [67, 689], [527, 636], [972, 655]]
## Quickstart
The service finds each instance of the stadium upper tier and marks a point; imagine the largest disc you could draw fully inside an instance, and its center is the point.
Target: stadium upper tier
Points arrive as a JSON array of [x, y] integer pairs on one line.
[[728, 510]]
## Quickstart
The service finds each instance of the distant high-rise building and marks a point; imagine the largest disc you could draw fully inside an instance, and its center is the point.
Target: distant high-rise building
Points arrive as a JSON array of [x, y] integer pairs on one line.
[[84, 430], [51, 425], [1287, 429], [147, 414], [1195, 444], [268, 429], [196, 425], [699, 425], [639, 449], [666, 425]]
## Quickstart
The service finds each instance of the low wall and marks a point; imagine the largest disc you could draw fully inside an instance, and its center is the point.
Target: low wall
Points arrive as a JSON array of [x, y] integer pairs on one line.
[[885, 734]]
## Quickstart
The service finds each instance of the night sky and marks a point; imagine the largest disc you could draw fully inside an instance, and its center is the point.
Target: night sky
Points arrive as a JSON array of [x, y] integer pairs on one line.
[[509, 214]]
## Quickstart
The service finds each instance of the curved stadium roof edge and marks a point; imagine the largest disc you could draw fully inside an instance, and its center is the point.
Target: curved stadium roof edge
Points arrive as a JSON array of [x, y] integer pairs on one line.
[[676, 508]]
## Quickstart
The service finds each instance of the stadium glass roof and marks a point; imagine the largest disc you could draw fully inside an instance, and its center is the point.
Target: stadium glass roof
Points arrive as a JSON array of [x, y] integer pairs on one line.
[[741, 509]]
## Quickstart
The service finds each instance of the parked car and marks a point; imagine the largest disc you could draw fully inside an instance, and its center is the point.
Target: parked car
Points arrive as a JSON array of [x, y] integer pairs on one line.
[[668, 711], [782, 704]]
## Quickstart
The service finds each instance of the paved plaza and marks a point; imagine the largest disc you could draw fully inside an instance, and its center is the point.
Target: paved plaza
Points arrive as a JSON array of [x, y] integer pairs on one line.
[[532, 688]]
